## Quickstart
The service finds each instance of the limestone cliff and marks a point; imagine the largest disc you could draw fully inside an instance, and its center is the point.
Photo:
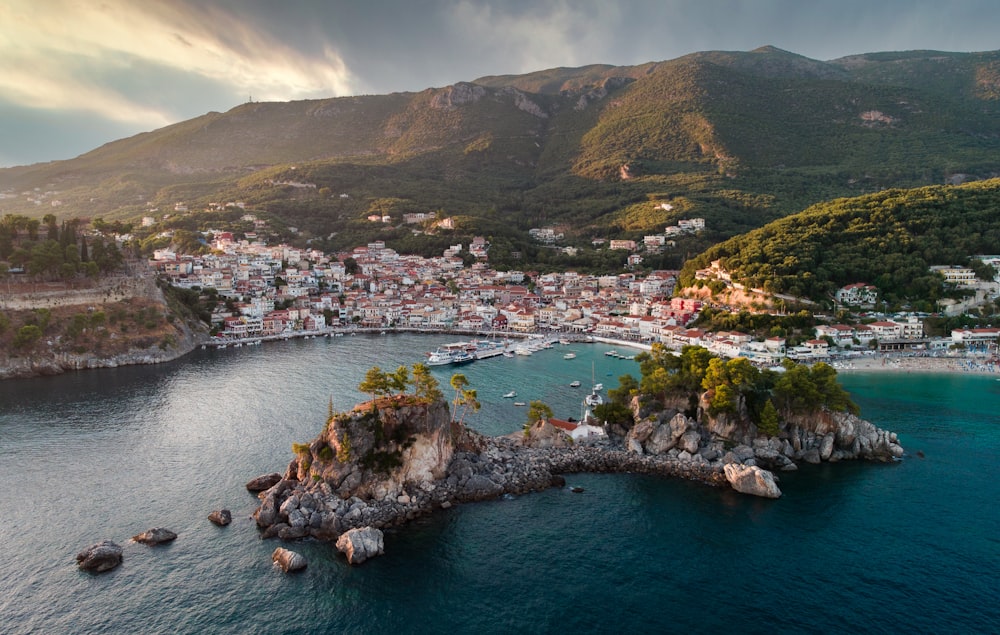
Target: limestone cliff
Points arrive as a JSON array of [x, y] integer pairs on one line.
[[379, 448]]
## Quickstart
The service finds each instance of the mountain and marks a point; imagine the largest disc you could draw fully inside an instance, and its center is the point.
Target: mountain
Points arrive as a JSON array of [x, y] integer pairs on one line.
[[738, 138]]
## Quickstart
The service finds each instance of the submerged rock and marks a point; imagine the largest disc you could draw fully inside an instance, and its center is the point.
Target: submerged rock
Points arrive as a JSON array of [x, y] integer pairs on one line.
[[103, 556], [221, 517], [288, 560], [155, 536], [361, 544], [750, 479]]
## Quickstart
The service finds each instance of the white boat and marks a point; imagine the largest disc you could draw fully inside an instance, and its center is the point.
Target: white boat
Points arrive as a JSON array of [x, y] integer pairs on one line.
[[440, 357], [594, 399], [569, 356], [519, 403], [510, 395], [574, 384], [508, 354], [462, 357], [611, 353], [520, 350]]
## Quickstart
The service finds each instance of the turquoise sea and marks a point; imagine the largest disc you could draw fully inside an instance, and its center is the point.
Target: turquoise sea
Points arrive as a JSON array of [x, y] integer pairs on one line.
[[910, 547]]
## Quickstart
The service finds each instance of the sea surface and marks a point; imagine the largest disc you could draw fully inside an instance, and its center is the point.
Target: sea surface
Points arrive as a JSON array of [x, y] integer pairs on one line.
[[909, 547]]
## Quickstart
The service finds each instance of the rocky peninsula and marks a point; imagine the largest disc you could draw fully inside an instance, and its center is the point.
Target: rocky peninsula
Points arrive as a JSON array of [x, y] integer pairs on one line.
[[393, 459], [116, 321]]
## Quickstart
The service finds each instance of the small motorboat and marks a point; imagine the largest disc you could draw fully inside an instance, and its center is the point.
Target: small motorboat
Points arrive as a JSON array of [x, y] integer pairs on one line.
[[519, 403], [574, 384], [510, 395]]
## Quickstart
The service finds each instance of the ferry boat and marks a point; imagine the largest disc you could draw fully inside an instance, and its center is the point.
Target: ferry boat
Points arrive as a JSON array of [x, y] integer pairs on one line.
[[440, 357], [462, 357]]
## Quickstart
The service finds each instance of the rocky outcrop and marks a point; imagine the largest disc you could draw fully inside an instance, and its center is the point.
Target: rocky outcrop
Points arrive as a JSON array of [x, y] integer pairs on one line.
[[750, 479], [451, 97], [375, 468], [288, 560], [155, 536], [103, 556], [543, 435], [221, 517], [263, 482], [361, 544]]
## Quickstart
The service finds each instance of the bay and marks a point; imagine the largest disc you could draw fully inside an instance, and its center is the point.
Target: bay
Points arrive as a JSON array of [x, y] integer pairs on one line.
[[911, 546]]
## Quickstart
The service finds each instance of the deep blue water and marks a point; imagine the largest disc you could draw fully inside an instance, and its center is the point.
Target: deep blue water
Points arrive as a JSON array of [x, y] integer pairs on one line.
[[851, 547]]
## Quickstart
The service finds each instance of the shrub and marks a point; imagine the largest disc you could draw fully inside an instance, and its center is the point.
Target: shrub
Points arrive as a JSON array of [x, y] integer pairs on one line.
[[27, 335]]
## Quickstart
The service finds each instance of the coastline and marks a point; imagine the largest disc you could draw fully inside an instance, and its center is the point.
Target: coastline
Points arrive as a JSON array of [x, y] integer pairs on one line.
[[974, 365]]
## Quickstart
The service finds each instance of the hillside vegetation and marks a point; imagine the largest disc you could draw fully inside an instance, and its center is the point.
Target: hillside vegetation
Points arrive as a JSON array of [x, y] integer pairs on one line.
[[737, 138], [888, 239]]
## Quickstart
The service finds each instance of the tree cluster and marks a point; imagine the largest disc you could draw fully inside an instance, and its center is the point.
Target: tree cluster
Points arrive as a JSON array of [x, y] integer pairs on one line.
[[733, 386]]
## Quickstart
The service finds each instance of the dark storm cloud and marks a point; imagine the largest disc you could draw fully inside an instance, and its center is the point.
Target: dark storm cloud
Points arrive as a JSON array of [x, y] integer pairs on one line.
[[132, 66]]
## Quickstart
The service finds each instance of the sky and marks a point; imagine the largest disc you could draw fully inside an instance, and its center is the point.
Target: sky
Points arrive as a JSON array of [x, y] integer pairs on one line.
[[76, 74]]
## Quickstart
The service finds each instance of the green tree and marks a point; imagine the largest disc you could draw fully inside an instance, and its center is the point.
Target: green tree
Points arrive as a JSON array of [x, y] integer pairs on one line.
[[769, 422], [425, 385], [376, 383], [27, 335], [538, 410], [460, 383], [399, 380]]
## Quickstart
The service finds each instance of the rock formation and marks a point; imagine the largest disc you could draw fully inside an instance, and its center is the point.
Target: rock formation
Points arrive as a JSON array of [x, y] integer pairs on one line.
[[263, 482], [288, 560], [750, 479], [103, 556], [221, 517], [155, 536], [361, 544], [386, 463]]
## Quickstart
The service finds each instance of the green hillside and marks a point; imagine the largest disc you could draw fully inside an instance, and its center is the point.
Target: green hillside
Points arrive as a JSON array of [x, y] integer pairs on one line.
[[737, 138], [888, 239]]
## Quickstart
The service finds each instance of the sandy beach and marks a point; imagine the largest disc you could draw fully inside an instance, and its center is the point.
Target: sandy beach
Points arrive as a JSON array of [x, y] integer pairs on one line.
[[903, 364]]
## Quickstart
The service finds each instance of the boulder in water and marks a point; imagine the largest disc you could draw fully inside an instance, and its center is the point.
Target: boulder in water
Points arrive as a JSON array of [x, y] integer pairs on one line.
[[103, 556], [261, 483], [750, 479], [361, 544], [288, 560], [221, 517], [155, 536]]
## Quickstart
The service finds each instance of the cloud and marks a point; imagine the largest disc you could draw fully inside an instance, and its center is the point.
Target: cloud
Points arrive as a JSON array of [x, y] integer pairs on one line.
[[63, 54], [547, 35]]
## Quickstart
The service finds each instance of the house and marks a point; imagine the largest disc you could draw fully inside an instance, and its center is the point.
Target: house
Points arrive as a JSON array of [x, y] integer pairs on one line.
[[857, 294], [578, 431], [628, 245]]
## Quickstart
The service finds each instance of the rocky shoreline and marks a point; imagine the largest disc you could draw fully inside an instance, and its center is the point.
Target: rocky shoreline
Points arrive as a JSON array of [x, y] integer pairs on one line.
[[331, 488]]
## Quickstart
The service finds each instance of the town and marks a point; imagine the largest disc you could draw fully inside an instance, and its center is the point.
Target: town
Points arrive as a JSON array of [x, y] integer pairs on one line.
[[284, 291]]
